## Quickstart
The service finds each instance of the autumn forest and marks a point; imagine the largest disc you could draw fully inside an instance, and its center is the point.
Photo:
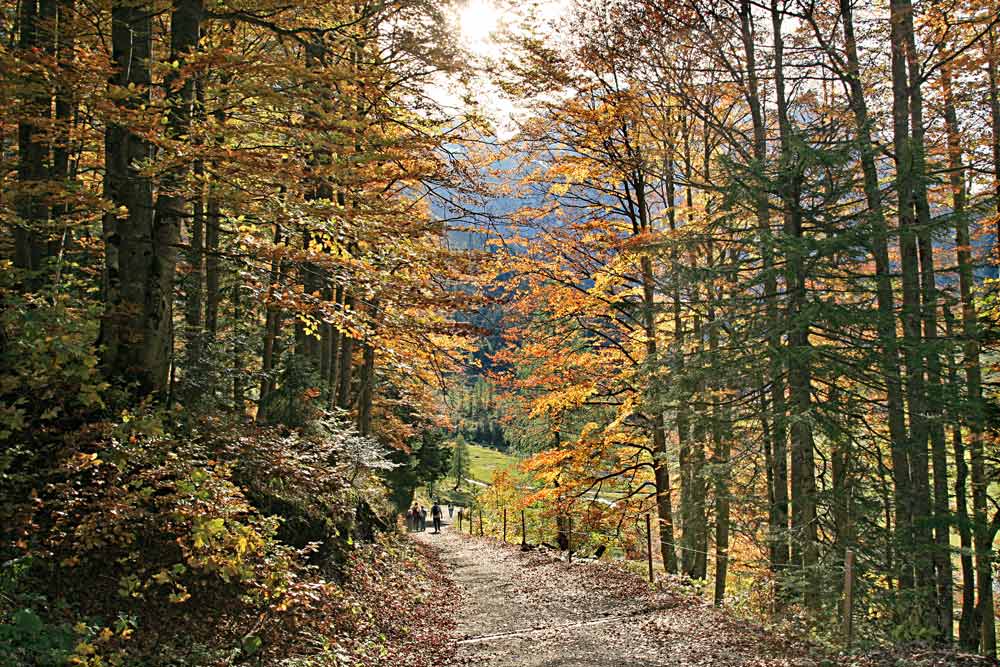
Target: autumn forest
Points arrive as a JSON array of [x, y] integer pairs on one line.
[[724, 268]]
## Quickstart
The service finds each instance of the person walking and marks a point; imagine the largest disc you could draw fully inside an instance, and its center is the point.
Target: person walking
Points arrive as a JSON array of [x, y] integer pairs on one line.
[[423, 518], [436, 517], [451, 509], [415, 514]]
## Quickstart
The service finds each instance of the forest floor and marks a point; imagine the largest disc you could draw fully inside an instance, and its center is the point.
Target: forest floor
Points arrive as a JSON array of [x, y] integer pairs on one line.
[[532, 610]]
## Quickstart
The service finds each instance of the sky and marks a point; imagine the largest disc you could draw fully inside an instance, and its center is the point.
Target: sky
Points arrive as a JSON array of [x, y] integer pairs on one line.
[[481, 24]]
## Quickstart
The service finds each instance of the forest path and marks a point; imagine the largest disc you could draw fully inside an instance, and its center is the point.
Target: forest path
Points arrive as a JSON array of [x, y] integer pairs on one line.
[[530, 610]]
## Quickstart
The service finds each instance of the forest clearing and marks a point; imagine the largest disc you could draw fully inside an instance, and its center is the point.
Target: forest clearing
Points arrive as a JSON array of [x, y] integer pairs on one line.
[[684, 315]]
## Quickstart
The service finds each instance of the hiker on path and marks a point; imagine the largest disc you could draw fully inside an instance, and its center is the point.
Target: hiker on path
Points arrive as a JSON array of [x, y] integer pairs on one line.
[[423, 518], [436, 516], [451, 509], [415, 513]]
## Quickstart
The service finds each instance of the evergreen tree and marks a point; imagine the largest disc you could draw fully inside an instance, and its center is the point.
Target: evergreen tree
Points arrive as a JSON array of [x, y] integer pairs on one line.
[[460, 461]]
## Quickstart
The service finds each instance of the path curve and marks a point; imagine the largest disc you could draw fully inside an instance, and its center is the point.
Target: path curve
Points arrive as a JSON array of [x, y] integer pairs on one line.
[[531, 610]]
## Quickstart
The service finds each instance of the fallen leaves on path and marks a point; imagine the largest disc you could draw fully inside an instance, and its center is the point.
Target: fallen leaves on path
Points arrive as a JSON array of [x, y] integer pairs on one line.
[[517, 609]]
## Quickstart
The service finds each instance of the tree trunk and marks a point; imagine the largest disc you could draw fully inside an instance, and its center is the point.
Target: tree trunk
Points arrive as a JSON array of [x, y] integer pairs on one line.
[[171, 205], [695, 546], [213, 221], [195, 277], [239, 381], [64, 105], [271, 326], [661, 470], [804, 547], [912, 336], [32, 171], [778, 468], [333, 379], [128, 228], [889, 357], [346, 362], [928, 552], [968, 623], [367, 387], [993, 83]]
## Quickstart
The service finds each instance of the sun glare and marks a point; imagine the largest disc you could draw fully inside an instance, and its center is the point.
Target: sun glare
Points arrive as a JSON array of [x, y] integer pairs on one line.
[[478, 20]]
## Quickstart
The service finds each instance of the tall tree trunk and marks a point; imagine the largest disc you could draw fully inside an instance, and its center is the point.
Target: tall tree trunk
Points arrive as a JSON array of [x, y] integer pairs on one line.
[[171, 205], [326, 344], [64, 105], [929, 553], [695, 546], [968, 622], [366, 390], [982, 534], [661, 469], [804, 529], [271, 326], [682, 421], [32, 171], [778, 440], [912, 335], [974, 391], [720, 436], [195, 277], [889, 357], [346, 361], [333, 379], [993, 83], [213, 222], [239, 369], [966, 286], [128, 228]]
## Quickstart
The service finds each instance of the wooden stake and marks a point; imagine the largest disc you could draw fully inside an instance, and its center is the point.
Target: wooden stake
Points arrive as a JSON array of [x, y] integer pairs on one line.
[[649, 548], [504, 524], [848, 598], [524, 530], [569, 540], [480, 522]]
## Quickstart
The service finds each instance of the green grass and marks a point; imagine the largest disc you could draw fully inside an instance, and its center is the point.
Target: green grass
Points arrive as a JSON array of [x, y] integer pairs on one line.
[[483, 461]]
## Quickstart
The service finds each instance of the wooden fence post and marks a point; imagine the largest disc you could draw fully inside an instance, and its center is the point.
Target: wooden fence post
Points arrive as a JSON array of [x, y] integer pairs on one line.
[[505, 524], [569, 540], [848, 598], [480, 522], [524, 530], [649, 547]]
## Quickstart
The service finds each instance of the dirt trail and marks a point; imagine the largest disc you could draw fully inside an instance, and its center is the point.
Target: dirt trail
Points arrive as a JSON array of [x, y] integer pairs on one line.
[[529, 610]]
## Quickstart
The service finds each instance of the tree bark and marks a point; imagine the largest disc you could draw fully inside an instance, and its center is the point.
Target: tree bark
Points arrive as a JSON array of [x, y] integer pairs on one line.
[[333, 379], [661, 470], [968, 623], [778, 439], [888, 341], [128, 228], [912, 336], [171, 205], [271, 325], [346, 361], [64, 105], [993, 83], [366, 390], [804, 529], [32, 171]]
